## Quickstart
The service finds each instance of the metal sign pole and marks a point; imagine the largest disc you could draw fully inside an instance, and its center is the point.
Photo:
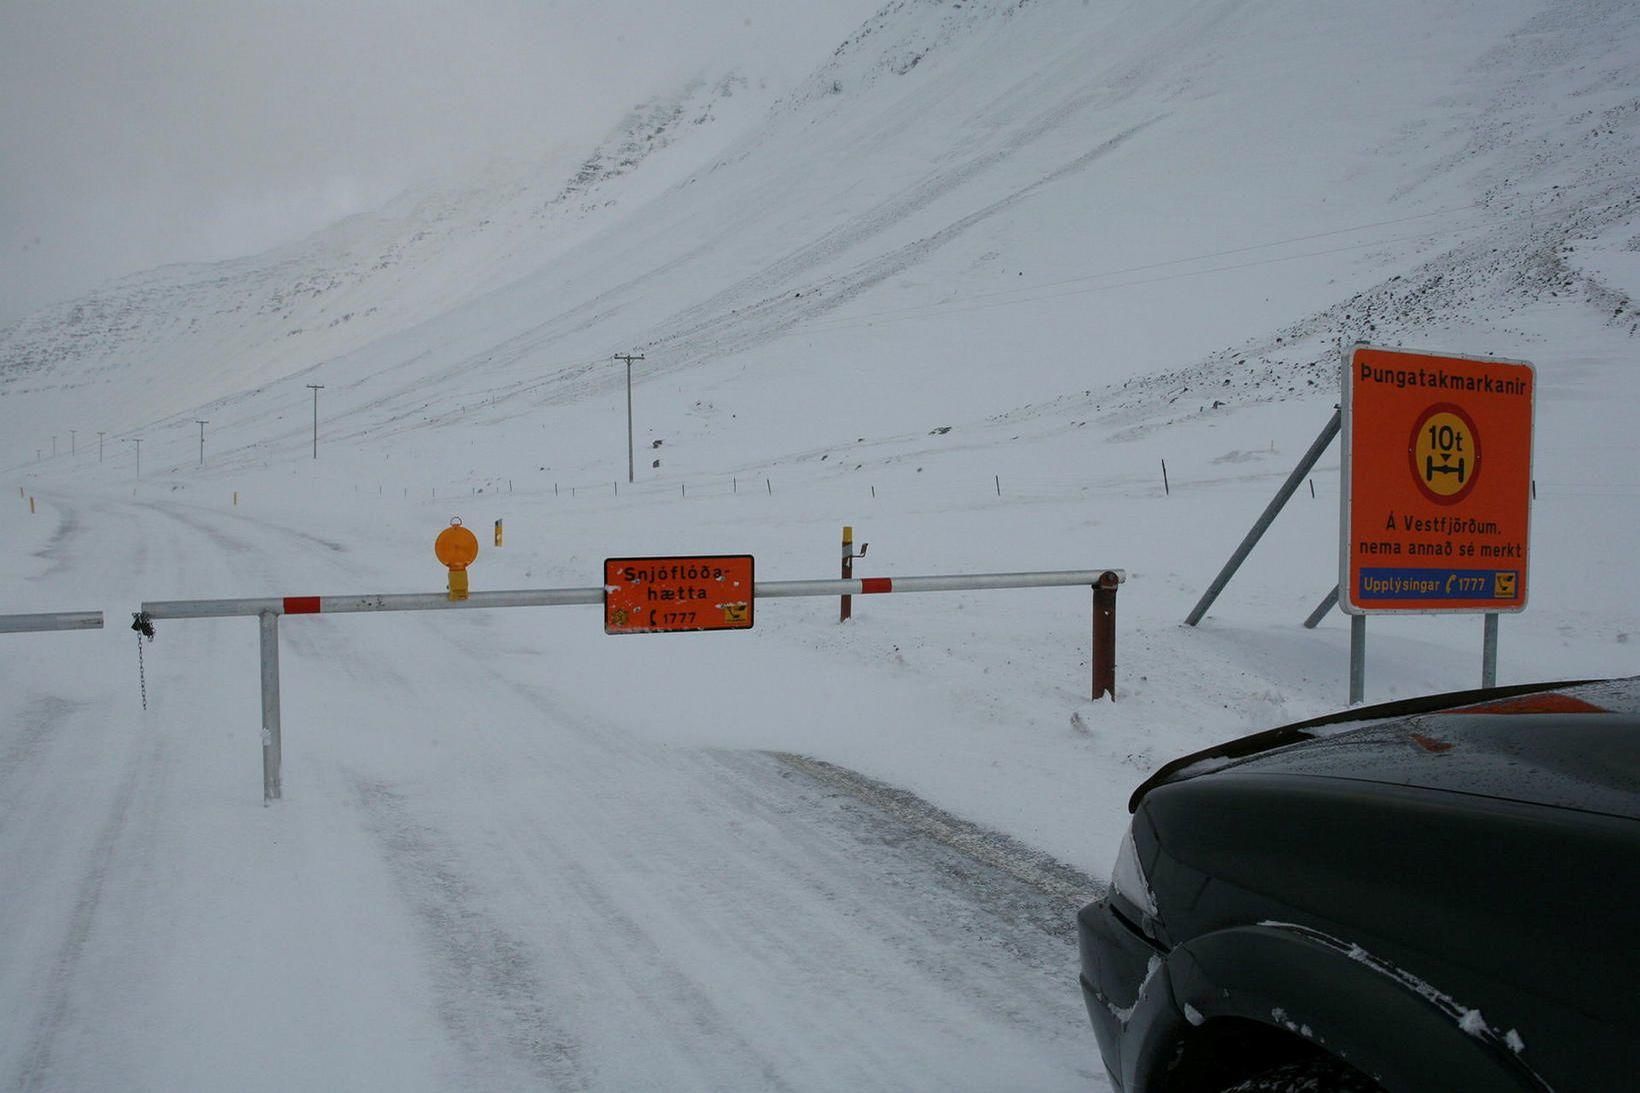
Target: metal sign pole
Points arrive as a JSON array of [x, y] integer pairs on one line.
[[1358, 659], [1489, 649]]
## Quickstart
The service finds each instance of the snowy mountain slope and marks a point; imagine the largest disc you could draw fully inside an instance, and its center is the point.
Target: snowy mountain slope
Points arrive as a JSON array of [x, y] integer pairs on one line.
[[1094, 121], [239, 324]]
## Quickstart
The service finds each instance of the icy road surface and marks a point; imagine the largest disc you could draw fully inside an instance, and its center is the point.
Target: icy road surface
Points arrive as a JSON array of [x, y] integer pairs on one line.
[[478, 879]]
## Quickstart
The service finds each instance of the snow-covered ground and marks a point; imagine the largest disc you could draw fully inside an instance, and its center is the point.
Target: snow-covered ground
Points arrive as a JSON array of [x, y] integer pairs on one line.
[[964, 287]]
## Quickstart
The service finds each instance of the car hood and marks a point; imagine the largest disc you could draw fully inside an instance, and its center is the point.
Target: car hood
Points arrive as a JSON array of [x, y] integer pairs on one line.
[[1590, 763], [1570, 747]]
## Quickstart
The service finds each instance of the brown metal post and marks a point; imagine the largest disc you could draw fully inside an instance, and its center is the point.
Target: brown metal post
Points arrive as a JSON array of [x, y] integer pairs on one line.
[[1104, 635], [848, 572]]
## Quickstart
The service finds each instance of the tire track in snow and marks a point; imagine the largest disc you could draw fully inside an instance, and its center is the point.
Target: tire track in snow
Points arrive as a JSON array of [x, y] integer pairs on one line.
[[56, 549], [1062, 883], [577, 888], [41, 724], [492, 993], [232, 543], [130, 813]]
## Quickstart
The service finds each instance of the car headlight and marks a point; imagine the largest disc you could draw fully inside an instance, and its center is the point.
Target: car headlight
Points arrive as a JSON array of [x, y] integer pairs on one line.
[[1127, 878]]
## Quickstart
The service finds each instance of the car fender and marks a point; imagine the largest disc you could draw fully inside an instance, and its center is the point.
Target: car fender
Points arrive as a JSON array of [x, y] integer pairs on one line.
[[1402, 1031]]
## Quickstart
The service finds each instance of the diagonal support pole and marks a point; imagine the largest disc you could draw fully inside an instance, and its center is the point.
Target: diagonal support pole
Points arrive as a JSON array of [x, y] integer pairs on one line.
[[1321, 609], [1268, 517]]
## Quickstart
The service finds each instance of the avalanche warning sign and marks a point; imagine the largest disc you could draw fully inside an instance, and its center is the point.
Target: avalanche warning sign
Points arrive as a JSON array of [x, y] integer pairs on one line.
[[671, 595]]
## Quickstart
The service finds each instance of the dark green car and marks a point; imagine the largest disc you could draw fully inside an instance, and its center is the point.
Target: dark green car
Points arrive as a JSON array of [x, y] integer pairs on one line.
[[1434, 896]]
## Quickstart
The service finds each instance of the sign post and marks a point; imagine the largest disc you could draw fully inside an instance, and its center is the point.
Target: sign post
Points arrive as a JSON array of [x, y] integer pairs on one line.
[[1437, 485]]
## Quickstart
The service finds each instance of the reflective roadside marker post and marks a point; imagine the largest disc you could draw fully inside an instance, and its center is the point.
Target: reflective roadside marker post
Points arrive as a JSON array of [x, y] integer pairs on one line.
[[498, 532], [456, 547]]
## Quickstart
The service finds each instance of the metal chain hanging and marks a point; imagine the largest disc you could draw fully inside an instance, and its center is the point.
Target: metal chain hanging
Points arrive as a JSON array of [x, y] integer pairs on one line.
[[144, 626]]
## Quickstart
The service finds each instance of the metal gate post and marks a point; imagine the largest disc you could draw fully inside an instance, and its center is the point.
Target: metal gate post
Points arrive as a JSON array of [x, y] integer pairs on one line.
[[1358, 658], [1104, 635], [847, 602], [270, 706]]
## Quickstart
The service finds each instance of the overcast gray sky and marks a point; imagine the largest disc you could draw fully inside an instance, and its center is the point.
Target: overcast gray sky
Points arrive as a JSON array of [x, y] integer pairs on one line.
[[150, 131]]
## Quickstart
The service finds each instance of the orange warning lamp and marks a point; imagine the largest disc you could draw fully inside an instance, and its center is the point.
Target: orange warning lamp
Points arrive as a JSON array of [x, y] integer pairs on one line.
[[456, 547]]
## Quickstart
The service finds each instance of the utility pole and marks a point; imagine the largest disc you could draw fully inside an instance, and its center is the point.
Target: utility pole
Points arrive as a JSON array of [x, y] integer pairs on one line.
[[317, 387], [99, 446], [138, 442], [628, 358], [73, 444], [201, 425]]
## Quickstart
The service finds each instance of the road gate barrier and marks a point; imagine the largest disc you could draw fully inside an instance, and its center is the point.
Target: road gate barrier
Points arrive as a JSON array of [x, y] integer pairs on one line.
[[57, 620], [267, 610]]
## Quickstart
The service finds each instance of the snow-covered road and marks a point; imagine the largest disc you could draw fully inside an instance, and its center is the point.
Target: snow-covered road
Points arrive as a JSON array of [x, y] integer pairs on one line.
[[478, 878]]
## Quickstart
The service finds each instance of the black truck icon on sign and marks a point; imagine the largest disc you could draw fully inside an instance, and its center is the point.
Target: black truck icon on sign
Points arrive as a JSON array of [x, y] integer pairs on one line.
[[1431, 470]]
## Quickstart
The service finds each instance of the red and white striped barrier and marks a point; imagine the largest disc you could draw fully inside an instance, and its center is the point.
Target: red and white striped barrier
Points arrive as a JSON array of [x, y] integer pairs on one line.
[[1104, 583]]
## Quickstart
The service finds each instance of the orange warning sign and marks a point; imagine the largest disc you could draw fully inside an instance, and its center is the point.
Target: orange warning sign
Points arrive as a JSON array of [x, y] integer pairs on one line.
[[669, 595], [1437, 482]]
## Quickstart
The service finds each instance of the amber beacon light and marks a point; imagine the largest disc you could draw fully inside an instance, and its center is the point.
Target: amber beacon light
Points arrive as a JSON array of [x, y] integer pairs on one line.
[[456, 547]]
